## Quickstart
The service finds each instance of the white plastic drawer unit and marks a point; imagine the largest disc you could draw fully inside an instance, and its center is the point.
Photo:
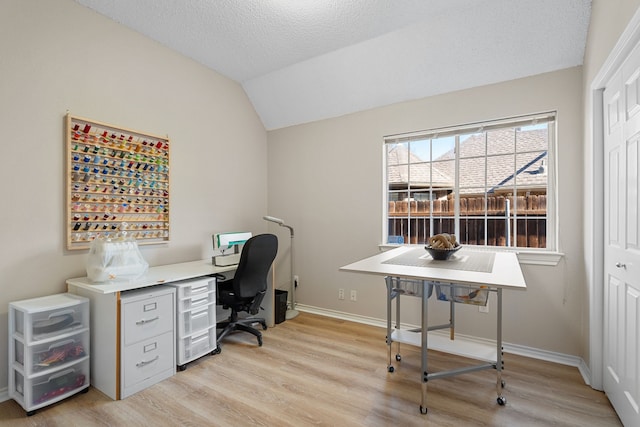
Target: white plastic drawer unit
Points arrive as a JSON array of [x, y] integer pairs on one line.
[[196, 319], [146, 315], [49, 343], [65, 317]]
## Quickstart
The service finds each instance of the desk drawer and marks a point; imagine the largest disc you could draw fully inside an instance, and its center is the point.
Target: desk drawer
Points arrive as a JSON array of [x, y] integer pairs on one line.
[[196, 320], [195, 287], [195, 293], [147, 317], [144, 360], [196, 345], [197, 301]]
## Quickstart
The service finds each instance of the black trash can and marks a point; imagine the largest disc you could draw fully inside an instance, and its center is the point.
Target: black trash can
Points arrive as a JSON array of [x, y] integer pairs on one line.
[[281, 306]]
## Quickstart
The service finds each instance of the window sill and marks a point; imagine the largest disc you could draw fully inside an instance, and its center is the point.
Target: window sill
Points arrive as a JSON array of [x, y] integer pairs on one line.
[[539, 258], [524, 256]]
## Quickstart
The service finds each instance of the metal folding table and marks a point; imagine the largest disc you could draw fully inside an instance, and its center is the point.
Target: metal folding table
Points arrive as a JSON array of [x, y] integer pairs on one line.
[[409, 270]]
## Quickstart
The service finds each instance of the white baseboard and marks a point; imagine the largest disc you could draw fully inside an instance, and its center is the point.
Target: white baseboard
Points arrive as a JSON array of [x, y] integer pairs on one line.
[[4, 394], [520, 350], [342, 315], [551, 356]]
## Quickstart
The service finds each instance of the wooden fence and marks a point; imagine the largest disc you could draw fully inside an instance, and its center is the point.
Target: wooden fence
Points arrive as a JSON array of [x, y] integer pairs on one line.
[[475, 229]]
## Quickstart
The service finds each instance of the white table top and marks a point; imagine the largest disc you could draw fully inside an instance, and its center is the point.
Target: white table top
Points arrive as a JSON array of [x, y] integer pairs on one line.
[[154, 276], [506, 272]]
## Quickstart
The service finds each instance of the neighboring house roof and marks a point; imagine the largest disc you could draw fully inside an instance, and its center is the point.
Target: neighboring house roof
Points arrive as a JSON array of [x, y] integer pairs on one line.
[[529, 169], [398, 170]]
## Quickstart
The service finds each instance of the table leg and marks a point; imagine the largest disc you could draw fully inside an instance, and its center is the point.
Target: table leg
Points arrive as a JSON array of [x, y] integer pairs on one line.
[[452, 318], [389, 284], [423, 351], [499, 382]]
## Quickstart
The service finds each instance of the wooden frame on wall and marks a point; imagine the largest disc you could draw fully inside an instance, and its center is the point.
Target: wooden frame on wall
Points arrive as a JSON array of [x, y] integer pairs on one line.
[[117, 184]]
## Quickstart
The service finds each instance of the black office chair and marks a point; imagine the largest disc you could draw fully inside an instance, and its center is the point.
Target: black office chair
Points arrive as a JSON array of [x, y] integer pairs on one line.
[[249, 285]]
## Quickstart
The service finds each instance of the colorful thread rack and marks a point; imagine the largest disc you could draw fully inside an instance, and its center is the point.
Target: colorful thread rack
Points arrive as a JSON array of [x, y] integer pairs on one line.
[[117, 184]]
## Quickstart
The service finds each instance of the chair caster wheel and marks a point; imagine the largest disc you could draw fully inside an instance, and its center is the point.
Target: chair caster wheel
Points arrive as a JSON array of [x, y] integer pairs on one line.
[[423, 410], [390, 369], [259, 342], [398, 357], [502, 401]]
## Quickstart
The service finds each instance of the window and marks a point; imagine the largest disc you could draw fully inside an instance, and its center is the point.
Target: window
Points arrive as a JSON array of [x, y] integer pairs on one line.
[[490, 184]]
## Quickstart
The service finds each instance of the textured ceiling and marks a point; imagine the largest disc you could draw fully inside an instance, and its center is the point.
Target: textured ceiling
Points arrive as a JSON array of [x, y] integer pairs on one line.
[[306, 60]]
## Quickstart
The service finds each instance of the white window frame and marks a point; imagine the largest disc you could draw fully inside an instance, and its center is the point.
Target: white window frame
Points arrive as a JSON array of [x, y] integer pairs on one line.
[[550, 255]]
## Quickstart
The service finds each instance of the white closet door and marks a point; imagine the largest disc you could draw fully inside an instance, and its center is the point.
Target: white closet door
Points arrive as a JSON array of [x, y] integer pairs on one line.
[[622, 241]]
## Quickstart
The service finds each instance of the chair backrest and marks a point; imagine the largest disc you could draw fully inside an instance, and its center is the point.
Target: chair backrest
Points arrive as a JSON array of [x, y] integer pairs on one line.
[[256, 258]]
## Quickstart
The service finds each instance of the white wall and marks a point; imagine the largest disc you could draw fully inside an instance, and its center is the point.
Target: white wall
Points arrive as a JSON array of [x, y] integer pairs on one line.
[[326, 179], [58, 56]]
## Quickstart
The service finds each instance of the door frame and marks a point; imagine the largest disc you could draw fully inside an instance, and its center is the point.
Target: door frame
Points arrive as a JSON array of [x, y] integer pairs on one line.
[[594, 195]]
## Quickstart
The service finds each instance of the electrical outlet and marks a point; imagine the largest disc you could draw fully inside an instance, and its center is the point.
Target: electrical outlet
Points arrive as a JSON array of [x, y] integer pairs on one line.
[[296, 281], [354, 296], [340, 293], [484, 308]]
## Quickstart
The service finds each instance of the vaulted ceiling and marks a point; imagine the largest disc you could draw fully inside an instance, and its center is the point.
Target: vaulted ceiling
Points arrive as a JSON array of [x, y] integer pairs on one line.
[[305, 60]]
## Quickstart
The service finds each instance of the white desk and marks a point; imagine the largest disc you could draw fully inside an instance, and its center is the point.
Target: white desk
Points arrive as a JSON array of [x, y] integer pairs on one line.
[[105, 313], [411, 262], [154, 276]]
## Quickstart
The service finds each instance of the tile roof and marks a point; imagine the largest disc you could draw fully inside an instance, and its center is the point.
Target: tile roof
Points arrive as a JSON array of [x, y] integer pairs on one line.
[[528, 167]]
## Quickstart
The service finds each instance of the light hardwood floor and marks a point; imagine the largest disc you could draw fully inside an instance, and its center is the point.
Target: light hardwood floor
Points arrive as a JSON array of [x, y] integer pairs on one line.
[[319, 371]]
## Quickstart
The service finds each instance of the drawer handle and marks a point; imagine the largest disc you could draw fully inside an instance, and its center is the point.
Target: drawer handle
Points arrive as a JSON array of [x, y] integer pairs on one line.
[[145, 321], [621, 265], [200, 289], [146, 362], [61, 313], [201, 301]]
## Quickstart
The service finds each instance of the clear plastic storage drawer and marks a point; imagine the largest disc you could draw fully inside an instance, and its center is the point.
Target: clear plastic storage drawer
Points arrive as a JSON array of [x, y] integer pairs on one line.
[[195, 293], [52, 387], [65, 316], [52, 354], [196, 301], [60, 383], [197, 345], [193, 288], [196, 319]]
